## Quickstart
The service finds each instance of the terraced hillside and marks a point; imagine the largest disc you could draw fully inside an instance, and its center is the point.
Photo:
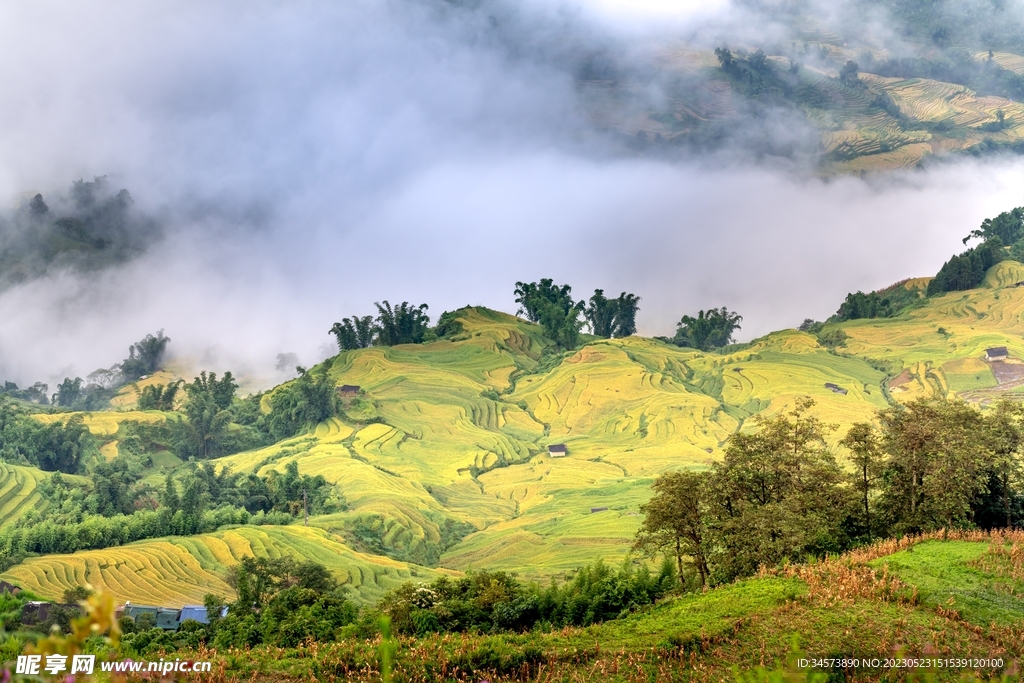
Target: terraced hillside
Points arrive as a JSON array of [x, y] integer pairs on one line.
[[441, 459], [181, 571], [889, 115], [19, 491]]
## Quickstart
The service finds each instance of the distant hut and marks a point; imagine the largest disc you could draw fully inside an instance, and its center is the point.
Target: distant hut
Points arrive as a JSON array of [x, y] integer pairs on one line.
[[348, 390], [9, 588], [593, 510], [996, 354], [558, 450], [835, 388]]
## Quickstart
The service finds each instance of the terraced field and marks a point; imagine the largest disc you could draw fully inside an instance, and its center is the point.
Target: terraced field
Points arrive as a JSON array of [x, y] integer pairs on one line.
[[19, 491], [442, 459], [179, 571]]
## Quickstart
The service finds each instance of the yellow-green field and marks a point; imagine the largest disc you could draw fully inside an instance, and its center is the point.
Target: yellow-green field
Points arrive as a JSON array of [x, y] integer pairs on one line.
[[178, 571], [443, 457], [19, 491]]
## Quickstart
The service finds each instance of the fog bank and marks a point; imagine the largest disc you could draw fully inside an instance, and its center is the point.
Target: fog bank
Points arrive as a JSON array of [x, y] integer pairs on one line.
[[307, 159]]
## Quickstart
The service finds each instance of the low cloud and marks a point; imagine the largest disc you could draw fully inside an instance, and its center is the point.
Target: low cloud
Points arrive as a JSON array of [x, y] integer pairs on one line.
[[307, 159]]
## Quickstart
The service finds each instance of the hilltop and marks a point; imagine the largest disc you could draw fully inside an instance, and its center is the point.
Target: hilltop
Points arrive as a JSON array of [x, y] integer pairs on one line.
[[440, 461]]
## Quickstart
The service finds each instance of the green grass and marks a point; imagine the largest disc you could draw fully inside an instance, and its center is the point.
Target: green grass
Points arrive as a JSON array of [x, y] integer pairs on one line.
[[701, 636], [943, 575]]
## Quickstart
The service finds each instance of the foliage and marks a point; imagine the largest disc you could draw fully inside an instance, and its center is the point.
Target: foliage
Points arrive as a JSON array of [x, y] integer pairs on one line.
[[159, 396], [776, 495], [57, 446], [676, 522], [832, 339], [402, 324], [612, 317], [208, 417], [552, 306], [144, 357], [967, 270], [495, 601], [709, 330], [301, 404], [37, 393], [354, 333], [1008, 227]]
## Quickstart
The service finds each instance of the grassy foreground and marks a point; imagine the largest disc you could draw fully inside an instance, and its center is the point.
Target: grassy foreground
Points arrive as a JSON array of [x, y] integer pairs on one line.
[[913, 597]]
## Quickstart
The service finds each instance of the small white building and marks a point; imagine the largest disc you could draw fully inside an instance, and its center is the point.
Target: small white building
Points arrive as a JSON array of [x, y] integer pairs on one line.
[[996, 354], [558, 450]]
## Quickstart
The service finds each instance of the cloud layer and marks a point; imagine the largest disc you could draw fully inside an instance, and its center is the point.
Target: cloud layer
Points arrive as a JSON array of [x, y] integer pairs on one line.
[[307, 159]]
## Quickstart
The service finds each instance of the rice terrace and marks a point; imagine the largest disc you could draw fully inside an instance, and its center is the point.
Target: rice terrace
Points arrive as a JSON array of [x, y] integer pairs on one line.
[[676, 433]]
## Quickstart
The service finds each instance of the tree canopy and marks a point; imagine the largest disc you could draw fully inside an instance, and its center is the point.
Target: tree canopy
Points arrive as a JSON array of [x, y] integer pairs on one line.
[[708, 330], [612, 317]]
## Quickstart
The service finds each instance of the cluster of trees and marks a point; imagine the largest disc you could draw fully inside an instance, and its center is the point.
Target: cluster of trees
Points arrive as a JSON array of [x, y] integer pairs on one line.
[[144, 357], [710, 329], [967, 270], [779, 494], [753, 73], [284, 602], [961, 272], [55, 447], [120, 508], [497, 601], [562, 318], [216, 422], [402, 324], [280, 602]]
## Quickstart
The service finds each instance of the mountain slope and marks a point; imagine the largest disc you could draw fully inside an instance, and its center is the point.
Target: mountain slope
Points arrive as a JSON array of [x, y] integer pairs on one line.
[[441, 459]]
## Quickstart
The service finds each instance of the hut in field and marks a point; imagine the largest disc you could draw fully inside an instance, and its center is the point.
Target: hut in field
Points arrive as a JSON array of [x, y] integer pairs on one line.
[[601, 509], [835, 388], [9, 588], [996, 354], [558, 450], [348, 390]]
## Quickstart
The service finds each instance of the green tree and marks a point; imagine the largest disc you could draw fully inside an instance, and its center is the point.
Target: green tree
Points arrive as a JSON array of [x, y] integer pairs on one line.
[[710, 329], [159, 396], [777, 494], [601, 313], [626, 309], [868, 462], [354, 333], [675, 522], [402, 324], [68, 392], [1005, 438], [552, 306], [144, 357], [301, 404], [938, 461], [848, 74]]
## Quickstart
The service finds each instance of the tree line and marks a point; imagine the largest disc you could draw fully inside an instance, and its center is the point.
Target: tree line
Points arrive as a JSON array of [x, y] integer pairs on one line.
[[120, 508], [1002, 238], [285, 602], [553, 308], [780, 494]]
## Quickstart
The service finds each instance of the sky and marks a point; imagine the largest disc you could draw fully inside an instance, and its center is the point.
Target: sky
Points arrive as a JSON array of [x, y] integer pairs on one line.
[[307, 159]]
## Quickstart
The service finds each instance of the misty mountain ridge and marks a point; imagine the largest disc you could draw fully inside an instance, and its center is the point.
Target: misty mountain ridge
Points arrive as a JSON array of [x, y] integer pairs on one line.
[[92, 227], [847, 88]]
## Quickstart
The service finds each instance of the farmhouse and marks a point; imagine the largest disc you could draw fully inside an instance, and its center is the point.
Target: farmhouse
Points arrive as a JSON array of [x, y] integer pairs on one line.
[[558, 450], [348, 390], [835, 388], [9, 588], [996, 354]]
